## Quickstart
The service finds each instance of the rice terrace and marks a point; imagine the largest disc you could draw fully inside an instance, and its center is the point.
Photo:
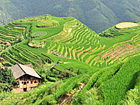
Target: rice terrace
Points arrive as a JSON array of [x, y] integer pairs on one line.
[[126, 25], [77, 65]]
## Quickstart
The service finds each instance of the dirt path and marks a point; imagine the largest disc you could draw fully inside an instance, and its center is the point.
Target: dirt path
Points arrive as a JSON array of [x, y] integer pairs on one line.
[[68, 99]]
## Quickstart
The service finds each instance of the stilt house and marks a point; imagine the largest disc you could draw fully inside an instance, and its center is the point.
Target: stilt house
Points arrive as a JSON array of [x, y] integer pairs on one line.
[[26, 76]]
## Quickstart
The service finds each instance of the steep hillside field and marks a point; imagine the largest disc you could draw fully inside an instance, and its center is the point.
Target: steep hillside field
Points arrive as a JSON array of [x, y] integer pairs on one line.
[[78, 66]]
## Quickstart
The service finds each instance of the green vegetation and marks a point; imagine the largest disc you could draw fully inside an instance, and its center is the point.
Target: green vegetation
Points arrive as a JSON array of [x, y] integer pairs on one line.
[[48, 23], [78, 66], [123, 81], [38, 34], [7, 79]]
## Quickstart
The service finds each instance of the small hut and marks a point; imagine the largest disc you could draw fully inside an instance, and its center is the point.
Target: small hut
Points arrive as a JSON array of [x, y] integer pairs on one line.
[[26, 76]]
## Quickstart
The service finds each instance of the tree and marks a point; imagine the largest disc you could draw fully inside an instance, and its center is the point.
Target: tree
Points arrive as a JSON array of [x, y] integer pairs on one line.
[[7, 79], [6, 76]]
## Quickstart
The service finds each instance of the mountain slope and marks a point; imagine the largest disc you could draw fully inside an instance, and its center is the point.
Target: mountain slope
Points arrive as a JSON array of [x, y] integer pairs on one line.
[[78, 66], [96, 14]]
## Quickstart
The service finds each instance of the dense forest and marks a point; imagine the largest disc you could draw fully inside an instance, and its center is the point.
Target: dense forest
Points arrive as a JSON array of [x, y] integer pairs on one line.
[[96, 14]]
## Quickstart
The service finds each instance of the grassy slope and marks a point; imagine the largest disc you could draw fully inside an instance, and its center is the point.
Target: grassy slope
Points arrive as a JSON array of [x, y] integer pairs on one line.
[[115, 89], [86, 57]]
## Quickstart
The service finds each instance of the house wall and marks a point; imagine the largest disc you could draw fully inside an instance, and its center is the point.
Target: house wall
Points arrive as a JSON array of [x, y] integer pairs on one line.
[[17, 90], [26, 82]]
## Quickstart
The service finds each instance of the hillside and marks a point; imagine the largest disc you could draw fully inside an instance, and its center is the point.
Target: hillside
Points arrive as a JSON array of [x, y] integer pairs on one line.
[[96, 14], [78, 65]]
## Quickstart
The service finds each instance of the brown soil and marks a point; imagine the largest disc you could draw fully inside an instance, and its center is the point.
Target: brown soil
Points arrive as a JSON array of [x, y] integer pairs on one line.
[[123, 51], [74, 54], [128, 50], [43, 46], [93, 50], [104, 47], [66, 52], [74, 26], [113, 51], [66, 98], [92, 57], [20, 27], [6, 35], [88, 60], [31, 44], [83, 52], [69, 32], [79, 50], [120, 49], [64, 29], [70, 52], [135, 36], [84, 55]]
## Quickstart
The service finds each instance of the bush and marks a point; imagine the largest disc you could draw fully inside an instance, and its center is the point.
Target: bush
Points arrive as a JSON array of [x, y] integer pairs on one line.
[[7, 79]]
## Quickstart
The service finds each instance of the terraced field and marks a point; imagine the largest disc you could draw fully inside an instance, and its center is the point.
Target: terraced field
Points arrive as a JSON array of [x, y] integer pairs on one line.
[[126, 25], [73, 60]]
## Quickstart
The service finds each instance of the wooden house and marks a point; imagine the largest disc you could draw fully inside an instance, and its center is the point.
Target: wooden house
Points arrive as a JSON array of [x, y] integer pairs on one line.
[[26, 76]]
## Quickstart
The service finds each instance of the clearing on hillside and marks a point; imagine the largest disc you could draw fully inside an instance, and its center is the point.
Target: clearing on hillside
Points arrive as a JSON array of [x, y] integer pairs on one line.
[[126, 25], [48, 23]]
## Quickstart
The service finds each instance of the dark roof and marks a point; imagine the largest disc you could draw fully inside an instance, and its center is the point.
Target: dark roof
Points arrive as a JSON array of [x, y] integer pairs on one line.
[[20, 70]]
